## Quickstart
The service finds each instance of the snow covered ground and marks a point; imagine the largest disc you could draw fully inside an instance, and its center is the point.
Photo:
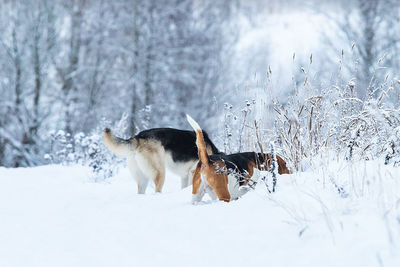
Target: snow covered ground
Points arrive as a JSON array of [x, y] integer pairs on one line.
[[57, 216]]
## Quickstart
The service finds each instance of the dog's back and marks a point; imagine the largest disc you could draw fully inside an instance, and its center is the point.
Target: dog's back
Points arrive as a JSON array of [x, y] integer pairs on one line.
[[180, 143]]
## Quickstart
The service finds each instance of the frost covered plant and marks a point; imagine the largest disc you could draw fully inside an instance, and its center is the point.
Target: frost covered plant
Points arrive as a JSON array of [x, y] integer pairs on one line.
[[93, 153], [87, 150], [303, 128], [392, 149], [316, 119], [61, 147], [236, 130], [228, 115], [245, 112], [371, 130], [272, 171], [355, 128], [274, 166]]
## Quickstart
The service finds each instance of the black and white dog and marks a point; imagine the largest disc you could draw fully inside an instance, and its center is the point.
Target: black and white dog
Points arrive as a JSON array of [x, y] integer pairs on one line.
[[151, 151]]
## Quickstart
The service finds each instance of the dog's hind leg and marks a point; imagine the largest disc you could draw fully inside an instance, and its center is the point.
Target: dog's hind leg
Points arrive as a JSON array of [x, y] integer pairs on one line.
[[159, 179], [153, 166], [198, 196], [138, 175], [199, 187]]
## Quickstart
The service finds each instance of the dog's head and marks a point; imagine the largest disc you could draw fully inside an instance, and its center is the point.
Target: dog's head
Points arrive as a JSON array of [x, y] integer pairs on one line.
[[266, 159]]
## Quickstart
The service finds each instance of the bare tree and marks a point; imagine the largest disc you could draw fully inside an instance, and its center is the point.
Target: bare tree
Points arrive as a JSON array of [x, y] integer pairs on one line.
[[67, 65], [366, 27]]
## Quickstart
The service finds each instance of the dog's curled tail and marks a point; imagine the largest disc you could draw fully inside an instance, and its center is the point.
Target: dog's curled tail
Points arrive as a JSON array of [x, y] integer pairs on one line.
[[201, 145], [120, 147]]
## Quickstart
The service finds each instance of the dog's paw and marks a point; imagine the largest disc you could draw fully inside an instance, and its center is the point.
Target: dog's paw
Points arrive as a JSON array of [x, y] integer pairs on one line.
[[196, 198], [244, 189]]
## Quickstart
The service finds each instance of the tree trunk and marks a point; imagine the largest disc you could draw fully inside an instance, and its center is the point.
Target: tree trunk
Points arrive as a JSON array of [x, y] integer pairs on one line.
[[75, 46], [134, 103]]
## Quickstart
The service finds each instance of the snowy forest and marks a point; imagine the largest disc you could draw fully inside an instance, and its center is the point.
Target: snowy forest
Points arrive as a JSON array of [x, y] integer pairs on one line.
[[70, 68], [315, 82]]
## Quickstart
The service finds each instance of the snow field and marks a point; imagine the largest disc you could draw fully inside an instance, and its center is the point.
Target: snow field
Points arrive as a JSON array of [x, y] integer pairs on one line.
[[57, 216]]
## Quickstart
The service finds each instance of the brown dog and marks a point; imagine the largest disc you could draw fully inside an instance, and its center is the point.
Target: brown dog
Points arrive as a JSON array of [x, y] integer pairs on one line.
[[223, 175]]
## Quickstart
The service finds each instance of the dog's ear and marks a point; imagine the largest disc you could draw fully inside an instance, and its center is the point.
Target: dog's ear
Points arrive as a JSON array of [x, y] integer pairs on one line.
[[282, 168]]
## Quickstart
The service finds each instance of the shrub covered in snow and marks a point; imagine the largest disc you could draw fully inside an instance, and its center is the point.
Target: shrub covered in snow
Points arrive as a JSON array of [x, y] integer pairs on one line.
[[335, 118], [392, 148], [87, 150]]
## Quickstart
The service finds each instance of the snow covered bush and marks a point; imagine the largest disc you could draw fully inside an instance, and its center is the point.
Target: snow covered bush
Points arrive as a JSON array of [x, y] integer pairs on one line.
[[61, 148], [87, 150], [302, 128], [392, 148], [237, 134], [335, 118]]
